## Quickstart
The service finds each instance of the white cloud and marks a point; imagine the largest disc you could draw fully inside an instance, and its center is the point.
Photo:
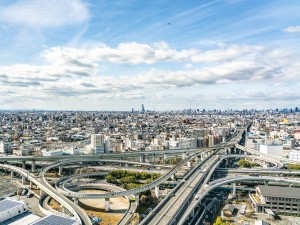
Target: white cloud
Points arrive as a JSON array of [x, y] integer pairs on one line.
[[292, 29], [131, 52], [137, 53], [76, 73], [43, 13], [188, 66]]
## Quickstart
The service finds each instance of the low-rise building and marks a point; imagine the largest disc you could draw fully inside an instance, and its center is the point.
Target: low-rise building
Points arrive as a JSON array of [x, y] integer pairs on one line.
[[283, 200]]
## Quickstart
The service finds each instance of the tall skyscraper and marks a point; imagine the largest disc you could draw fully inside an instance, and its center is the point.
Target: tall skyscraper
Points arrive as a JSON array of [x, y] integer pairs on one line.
[[143, 108]]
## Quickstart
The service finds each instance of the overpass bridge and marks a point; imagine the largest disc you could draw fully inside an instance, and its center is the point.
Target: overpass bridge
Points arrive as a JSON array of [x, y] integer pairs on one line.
[[219, 183], [77, 212], [164, 215]]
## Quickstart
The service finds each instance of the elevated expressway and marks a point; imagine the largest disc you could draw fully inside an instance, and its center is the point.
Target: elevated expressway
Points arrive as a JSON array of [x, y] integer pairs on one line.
[[168, 213], [76, 211], [181, 198], [164, 213], [182, 216], [154, 184], [274, 171], [123, 155], [220, 182]]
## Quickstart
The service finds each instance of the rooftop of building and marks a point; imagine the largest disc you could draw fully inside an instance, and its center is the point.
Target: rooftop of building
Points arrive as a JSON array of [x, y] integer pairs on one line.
[[281, 192], [53, 219], [7, 204]]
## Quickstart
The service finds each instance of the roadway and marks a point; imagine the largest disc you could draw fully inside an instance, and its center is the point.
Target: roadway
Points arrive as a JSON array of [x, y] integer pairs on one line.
[[78, 213], [180, 196], [108, 155], [157, 182], [258, 171], [220, 182]]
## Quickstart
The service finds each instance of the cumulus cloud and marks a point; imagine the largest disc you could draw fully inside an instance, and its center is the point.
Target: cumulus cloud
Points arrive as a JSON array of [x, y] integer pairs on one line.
[[292, 29], [76, 72], [131, 52], [36, 13], [137, 53]]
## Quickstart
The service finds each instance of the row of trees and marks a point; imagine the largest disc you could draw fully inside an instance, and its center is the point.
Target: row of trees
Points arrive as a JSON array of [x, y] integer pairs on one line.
[[119, 174], [246, 164]]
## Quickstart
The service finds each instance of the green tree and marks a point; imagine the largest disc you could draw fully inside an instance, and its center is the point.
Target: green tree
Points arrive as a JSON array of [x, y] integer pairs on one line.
[[219, 221], [111, 179]]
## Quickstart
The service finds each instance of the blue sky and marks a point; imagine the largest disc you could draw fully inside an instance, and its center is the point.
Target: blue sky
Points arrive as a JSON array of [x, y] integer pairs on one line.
[[117, 55]]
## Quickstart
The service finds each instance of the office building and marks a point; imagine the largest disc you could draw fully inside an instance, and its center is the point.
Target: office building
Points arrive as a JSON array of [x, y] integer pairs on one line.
[[283, 200]]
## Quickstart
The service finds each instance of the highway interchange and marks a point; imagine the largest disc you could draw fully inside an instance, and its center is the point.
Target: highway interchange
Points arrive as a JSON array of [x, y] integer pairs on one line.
[[180, 204]]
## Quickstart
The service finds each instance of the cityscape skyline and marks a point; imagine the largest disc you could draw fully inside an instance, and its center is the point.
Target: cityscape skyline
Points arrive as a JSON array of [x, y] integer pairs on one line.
[[166, 55]]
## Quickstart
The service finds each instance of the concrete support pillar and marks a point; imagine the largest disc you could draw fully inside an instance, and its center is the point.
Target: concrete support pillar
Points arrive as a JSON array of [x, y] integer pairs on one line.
[[245, 153], [23, 180], [30, 184], [184, 156], [137, 200], [33, 166], [153, 158], [107, 206], [60, 170], [142, 158], [23, 164], [157, 191], [12, 174], [234, 189], [75, 201], [165, 157], [173, 177], [193, 213], [126, 164], [41, 192], [189, 164]]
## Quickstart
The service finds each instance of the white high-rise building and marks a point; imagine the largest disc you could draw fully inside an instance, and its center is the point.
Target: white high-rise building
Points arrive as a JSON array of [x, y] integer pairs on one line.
[[97, 144], [5, 148]]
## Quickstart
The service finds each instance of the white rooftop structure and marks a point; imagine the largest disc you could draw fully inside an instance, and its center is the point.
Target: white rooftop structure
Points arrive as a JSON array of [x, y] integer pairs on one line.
[[10, 208], [53, 219]]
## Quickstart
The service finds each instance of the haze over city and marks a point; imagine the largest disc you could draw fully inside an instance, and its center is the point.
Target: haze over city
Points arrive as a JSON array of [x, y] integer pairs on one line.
[[168, 55]]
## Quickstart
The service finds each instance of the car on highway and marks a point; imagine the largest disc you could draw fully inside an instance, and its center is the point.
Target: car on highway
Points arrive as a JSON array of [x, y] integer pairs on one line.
[[30, 194], [24, 191]]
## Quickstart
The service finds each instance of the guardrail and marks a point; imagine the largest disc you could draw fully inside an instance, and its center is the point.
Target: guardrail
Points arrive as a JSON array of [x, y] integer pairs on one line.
[[123, 193], [42, 187], [223, 181], [150, 216]]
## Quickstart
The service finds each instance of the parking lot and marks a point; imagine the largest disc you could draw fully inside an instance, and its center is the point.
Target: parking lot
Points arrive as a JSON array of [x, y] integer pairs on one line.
[[7, 187]]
